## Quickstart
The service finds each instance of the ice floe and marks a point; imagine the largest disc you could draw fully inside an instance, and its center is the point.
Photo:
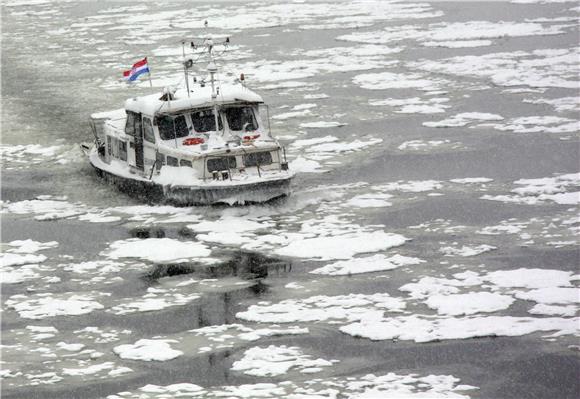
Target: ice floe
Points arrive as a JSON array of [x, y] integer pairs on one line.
[[542, 190], [538, 68], [40, 306], [563, 104], [414, 105], [343, 246], [155, 299], [464, 119], [158, 250], [367, 264], [456, 34], [368, 386], [391, 80], [278, 360], [426, 329], [148, 350], [323, 308], [466, 250], [470, 303], [427, 145]]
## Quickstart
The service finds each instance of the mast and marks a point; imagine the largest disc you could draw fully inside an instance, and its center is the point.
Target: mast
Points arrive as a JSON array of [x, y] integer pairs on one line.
[[212, 69]]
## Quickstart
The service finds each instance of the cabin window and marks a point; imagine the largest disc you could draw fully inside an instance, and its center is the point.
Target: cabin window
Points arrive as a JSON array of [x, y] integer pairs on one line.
[[184, 162], [122, 150], [258, 158], [204, 121], [130, 124], [220, 164], [109, 145], [148, 130], [159, 160], [241, 118], [171, 161], [172, 127]]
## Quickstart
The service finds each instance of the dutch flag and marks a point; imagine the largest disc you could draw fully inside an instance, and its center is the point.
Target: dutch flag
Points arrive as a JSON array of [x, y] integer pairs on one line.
[[139, 68]]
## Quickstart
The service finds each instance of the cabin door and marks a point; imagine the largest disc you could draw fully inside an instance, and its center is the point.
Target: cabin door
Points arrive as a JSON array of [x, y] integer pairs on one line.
[[138, 132]]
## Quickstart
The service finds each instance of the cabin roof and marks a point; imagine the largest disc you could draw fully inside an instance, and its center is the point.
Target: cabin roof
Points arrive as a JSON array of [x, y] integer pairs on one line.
[[198, 97]]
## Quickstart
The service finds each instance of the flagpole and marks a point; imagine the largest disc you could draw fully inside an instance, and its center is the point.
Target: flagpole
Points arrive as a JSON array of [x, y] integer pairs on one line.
[[149, 73]]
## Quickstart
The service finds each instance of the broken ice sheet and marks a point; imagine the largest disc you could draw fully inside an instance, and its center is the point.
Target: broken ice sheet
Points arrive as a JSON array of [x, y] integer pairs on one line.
[[278, 360]]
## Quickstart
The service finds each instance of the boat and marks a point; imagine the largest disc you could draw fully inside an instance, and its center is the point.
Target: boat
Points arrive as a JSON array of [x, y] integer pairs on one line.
[[207, 143]]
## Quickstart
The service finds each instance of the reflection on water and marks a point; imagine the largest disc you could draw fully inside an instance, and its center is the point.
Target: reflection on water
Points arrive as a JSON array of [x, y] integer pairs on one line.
[[245, 265]]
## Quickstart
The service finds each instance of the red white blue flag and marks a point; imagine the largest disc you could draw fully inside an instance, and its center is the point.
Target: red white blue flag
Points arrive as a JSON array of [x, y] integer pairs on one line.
[[139, 68]]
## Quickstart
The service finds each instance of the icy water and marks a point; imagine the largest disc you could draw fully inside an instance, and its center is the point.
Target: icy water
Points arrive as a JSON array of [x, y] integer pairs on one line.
[[429, 248]]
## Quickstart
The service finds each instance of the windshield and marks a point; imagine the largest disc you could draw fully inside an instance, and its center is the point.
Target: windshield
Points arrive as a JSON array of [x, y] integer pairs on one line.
[[204, 121], [241, 118], [172, 127]]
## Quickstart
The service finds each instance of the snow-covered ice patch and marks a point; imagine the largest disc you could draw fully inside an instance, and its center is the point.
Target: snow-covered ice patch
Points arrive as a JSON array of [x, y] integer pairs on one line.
[[367, 264], [40, 306], [157, 250], [425, 329], [343, 246], [275, 360], [470, 303], [466, 250], [323, 308], [148, 350], [463, 119]]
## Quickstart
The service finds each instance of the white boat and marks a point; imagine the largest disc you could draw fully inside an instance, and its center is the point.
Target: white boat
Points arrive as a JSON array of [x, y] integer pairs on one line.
[[166, 147]]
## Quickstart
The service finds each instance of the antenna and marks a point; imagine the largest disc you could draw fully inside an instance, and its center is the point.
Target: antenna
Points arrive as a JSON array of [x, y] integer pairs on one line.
[[185, 67]]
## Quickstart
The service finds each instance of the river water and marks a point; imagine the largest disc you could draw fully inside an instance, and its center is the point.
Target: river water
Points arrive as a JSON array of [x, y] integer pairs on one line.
[[429, 247]]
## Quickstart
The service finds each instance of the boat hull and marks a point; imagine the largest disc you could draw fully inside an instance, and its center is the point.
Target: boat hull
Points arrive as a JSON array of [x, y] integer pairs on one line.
[[257, 192]]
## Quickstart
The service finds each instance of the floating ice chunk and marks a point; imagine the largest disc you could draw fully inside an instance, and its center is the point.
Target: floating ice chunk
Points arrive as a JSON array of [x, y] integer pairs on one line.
[[41, 306], [157, 250], [342, 147], [319, 96], [470, 303], [463, 119], [472, 180], [341, 246], [92, 369], [551, 295], [368, 386], [95, 267], [276, 360], [179, 390], [554, 310], [413, 186], [313, 141], [430, 286], [539, 68], [423, 145], [10, 259], [421, 329], [529, 278], [390, 80], [322, 308], [154, 301], [538, 191], [148, 350], [501, 229], [303, 165], [230, 224], [321, 124], [376, 200], [70, 347], [458, 43], [563, 104], [466, 251], [30, 246], [46, 209], [368, 264], [292, 114]]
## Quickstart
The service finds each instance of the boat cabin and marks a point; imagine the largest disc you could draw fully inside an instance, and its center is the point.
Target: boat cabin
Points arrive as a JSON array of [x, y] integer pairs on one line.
[[217, 138]]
